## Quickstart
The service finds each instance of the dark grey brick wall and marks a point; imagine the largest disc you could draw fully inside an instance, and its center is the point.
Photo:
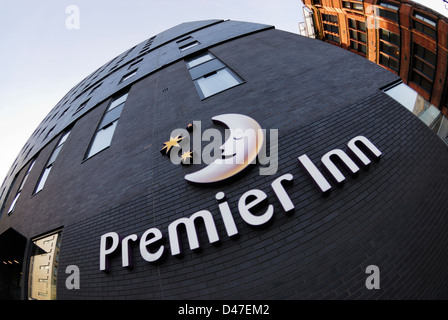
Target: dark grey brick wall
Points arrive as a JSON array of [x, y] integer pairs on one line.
[[319, 97]]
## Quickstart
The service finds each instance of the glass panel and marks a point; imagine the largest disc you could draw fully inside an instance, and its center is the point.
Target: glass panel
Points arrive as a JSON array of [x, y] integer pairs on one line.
[[363, 48], [13, 204], [43, 268], [111, 116], [357, 6], [426, 19], [54, 155], [43, 179], [118, 101], [126, 77], [362, 37], [388, 5], [188, 46], [102, 139], [216, 82], [352, 23], [200, 59], [361, 26], [64, 138]]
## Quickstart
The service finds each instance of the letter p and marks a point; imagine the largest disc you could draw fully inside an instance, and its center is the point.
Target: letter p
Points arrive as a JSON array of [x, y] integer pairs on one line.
[[107, 248]]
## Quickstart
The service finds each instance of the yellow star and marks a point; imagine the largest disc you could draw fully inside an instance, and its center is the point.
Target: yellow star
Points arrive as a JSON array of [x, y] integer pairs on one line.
[[186, 155], [173, 142]]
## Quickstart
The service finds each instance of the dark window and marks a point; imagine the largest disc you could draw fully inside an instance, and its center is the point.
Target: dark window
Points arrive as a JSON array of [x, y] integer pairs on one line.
[[353, 5], [423, 67], [19, 192], [331, 28], [358, 36]]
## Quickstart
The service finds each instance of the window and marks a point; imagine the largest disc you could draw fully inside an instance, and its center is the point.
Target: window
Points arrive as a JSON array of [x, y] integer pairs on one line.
[[389, 49], [331, 28], [96, 88], [358, 36], [423, 67], [388, 10], [82, 106], [44, 259], [129, 75], [103, 135], [424, 24], [353, 5], [132, 65], [199, 59], [216, 81], [188, 45], [210, 75], [51, 161], [13, 204]]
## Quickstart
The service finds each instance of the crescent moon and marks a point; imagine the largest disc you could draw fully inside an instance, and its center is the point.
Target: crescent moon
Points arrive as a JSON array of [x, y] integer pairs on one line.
[[241, 148]]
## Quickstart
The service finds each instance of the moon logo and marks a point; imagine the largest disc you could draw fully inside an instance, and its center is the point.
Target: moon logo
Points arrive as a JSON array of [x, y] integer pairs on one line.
[[240, 149]]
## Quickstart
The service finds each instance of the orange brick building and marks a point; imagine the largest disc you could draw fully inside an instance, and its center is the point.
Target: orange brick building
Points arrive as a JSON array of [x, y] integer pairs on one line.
[[400, 35]]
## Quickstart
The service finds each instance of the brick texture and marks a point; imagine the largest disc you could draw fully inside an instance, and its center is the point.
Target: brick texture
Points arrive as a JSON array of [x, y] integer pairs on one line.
[[319, 97]]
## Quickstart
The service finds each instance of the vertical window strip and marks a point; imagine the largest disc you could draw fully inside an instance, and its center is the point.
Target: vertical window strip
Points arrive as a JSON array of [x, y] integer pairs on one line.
[[49, 165], [105, 131]]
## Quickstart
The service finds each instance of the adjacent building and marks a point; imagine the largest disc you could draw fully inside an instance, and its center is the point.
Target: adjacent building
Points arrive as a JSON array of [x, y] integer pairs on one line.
[[402, 36]]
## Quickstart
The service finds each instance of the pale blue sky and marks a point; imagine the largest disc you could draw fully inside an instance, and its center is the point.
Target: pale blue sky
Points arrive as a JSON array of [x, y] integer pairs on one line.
[[41, 60]]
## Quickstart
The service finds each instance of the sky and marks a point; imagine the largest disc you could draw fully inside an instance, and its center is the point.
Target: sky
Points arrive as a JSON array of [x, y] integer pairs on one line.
[[41, 59]]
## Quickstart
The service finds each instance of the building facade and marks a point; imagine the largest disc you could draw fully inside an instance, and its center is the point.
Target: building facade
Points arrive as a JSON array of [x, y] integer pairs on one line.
[[92, 209], [402, 36]]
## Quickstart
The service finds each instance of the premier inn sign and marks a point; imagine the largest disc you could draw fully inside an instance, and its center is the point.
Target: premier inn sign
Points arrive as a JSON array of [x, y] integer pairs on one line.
[[360, 152]]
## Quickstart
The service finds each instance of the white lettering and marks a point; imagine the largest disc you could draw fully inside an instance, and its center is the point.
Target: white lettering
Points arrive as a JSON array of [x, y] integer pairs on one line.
[[244, 207], [104, 251], [280, 192], [191, 231]]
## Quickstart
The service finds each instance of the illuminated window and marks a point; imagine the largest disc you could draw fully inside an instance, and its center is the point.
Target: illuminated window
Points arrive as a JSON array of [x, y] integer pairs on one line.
[[44, 259], [104, 133]]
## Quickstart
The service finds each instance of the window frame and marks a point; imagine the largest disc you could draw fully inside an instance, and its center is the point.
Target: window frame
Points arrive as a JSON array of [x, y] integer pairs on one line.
[[208, 68], [357, 45]]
